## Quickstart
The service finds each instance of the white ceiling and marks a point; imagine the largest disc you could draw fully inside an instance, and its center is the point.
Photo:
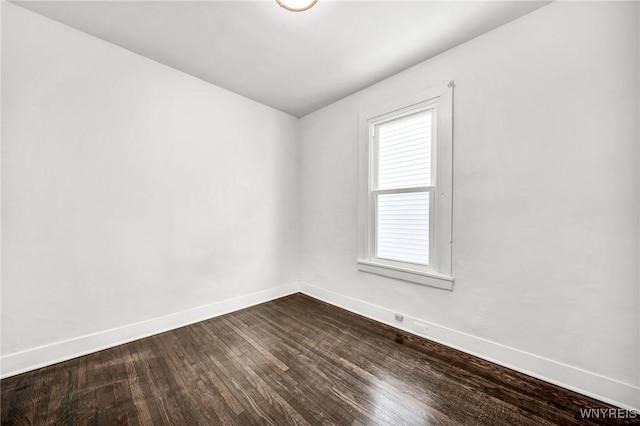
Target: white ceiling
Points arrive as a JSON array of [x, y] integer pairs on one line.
[[295, 62]]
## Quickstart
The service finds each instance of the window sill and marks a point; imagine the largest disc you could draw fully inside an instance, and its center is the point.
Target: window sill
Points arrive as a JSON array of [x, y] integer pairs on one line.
[[431, 279]]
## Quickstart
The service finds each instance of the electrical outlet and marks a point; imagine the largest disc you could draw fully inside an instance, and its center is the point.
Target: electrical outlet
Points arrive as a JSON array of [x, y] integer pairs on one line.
[[421, 328], [399, 317]]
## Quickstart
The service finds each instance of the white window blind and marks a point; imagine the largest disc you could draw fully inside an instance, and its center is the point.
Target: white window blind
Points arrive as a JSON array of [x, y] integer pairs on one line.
[[404, 158], [403, 227], [403, 191]]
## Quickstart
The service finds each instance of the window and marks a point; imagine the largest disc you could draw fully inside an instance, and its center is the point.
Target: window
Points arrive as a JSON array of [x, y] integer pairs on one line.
[[406, 189]]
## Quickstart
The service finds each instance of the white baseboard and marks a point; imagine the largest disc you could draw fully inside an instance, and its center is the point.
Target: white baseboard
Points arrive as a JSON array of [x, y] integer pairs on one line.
[[599, 387], [42, 356]]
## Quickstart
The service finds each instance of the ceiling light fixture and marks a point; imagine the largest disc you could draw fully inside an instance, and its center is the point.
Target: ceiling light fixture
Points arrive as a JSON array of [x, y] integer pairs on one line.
[[296, 5]]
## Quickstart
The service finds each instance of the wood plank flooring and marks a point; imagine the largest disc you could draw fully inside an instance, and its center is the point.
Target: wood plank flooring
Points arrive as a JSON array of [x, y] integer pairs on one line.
[[294, 360]]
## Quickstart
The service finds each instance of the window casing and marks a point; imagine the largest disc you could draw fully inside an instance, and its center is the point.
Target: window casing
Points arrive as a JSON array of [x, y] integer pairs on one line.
[[406, 160]]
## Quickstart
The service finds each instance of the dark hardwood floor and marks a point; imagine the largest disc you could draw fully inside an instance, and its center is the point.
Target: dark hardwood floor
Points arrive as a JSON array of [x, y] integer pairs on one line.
[[294, 360]]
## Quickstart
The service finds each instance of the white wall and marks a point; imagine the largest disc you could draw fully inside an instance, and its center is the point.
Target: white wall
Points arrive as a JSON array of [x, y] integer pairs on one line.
[[131, 190], [545, 196]]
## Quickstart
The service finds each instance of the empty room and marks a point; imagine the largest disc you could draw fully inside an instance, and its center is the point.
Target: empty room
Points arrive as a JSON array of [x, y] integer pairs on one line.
[[320, 212]]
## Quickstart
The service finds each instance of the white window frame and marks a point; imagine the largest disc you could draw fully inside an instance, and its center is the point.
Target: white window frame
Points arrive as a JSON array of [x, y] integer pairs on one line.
[[438, 272]]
